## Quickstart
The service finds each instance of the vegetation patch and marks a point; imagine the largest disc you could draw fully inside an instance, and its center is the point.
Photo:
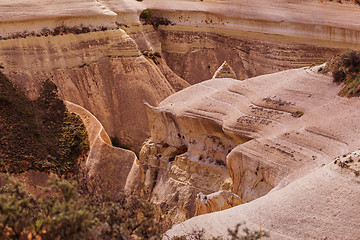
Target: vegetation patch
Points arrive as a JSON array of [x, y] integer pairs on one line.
[[297, 114], [75, 210], [345, 69], [152, 55], [346, 1], [234, 234], [147, 18], [60, 30], [350, 162], [39, 135]]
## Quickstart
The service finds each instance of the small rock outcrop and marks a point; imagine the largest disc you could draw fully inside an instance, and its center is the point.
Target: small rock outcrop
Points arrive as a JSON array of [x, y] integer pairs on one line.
[[224, 71], [322, 203], [349, 162], [216, 202]]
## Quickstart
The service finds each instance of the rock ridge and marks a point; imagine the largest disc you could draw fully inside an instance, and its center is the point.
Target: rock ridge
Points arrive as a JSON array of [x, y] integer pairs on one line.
[[260, 134]]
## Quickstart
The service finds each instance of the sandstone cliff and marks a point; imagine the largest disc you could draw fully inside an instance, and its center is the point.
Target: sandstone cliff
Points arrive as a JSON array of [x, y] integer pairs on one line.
[[94, 64], [251, 137], [216, 202], [33, 16], [254, 37]]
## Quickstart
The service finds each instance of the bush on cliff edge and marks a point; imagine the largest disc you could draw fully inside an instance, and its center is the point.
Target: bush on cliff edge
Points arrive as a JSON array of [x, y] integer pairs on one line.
[[345, 69]]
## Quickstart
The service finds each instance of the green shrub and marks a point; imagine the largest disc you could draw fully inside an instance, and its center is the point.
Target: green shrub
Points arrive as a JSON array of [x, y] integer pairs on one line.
[[345, 69], [247, 234], [4, 101], [338, 75], [18, 210], [153, 56], [297, 114], [74, 210], [39, 135], [147, 14], [147, 17]]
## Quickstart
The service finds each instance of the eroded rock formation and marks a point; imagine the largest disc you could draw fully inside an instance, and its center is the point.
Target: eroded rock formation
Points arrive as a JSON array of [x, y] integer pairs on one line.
[[83, 45], [323, 204], [263, 132], [111, 80], [108, 164], [251, 137]]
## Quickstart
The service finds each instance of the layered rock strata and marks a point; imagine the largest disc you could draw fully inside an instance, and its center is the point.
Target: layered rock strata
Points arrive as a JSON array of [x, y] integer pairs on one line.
[[33, 15], [101, 71], [171, 176], [80, 43], [96, 65], [263, 132], [254, 37]]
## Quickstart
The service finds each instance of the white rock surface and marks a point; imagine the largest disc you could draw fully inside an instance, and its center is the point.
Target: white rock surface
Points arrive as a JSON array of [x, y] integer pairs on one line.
[[322, 205], [269, 130]]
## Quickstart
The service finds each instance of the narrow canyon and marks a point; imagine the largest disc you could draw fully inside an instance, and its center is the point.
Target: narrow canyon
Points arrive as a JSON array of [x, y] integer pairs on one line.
[[218, 112]]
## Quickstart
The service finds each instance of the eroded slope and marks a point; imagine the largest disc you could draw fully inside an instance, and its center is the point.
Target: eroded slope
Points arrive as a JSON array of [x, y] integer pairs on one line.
[[321, 205]]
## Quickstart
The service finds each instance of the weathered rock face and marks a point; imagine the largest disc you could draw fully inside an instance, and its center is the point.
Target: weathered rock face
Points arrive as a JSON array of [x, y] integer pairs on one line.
[[34, 16], [246, 137], [19, 17], [127, 12], [296, 125], [317, 20], [349, 162], [195, 56], [172, 176], [224, 71], [252, 40], [94, 64], [148, 41], [323, 203], [265, 132], [104, 64]]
